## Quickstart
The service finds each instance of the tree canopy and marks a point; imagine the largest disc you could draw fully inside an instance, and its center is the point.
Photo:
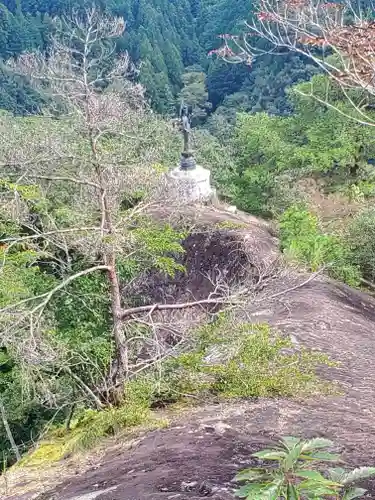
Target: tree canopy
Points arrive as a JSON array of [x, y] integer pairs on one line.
[[163, 39]]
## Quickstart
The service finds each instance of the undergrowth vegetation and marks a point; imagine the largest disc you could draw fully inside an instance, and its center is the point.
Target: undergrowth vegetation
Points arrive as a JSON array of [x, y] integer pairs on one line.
[[91, 426], [220, 361], [230, 359], [361, 238], [347, 254], [304, 241]]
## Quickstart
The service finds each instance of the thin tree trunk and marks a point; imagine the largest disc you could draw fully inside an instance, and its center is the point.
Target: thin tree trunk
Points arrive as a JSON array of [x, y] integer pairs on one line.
[[9, 432], [109, 257], [115, 294], [70, 416], [118, 333], [121, 372]]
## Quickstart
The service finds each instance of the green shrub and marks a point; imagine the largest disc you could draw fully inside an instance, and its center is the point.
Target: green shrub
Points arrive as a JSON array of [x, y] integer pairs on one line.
[[294, 475], [228, 224], [158, 244], [361, 238], [303, 241], [244, 360], [254, 188], [225, 359]]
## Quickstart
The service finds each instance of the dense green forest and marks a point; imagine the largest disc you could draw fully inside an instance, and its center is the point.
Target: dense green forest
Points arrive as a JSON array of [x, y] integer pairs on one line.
[[77, 166], [165, 40]]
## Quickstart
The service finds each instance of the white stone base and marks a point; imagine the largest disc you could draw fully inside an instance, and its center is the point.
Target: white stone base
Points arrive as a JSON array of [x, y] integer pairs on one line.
[[189, 186]]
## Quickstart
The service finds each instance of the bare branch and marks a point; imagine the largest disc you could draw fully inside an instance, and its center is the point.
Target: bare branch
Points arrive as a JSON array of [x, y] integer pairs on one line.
[[84, 182], [163, 307], [43, 235], [85, 387], [300, 285], [9, 432]]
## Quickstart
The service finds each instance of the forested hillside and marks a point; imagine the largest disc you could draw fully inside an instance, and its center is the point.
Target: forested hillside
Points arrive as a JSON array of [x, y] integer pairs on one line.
[[164, 39], [159, 34]]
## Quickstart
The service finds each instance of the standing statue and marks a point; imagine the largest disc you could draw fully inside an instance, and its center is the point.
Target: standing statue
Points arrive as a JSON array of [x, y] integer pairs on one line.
[[187, 160]]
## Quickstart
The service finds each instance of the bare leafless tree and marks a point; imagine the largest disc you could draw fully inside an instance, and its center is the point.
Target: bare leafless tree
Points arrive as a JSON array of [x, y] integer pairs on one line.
[[75, 159], [75, 73], [338, 37]]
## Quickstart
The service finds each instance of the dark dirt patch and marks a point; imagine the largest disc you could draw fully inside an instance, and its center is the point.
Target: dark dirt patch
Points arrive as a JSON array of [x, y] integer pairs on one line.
[[208, 257], [211, 254]]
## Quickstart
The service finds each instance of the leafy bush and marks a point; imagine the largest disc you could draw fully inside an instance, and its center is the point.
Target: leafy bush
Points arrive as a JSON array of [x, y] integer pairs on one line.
[[295, 475], [158, 244], [361, 238], [251, 361], [91, 425], [95, 425], [254, 188], [303, 240]]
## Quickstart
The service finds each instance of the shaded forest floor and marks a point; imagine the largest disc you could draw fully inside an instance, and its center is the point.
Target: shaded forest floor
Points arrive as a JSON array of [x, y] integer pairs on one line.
[[199, 453]]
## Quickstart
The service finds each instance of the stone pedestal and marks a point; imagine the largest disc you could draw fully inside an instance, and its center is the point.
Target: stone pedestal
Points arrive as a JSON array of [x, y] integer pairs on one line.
[[189, 186]]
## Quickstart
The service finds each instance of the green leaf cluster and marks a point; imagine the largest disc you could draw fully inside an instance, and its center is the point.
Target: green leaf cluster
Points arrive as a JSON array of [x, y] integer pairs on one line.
[[360, 236], [21, 276], [303, 240], [159, 245], [295, 475]]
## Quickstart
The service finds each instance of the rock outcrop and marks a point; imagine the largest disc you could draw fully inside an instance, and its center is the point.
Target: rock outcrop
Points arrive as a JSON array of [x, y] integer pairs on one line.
[[200, 452]]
